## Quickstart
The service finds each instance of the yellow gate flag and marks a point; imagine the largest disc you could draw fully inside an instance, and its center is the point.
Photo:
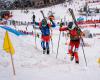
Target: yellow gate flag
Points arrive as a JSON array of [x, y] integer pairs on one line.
[[7, 46]]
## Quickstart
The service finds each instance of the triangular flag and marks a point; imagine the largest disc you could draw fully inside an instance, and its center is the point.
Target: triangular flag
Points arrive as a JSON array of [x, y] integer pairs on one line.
[[7, 46]]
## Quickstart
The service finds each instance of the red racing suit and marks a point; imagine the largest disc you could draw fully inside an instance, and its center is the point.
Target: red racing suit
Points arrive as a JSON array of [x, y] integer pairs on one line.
[[75, 36]]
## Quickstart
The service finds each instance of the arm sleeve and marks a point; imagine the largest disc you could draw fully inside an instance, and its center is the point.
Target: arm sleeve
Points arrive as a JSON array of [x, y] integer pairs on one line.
[[63, 29], [36, 23], [53, 24]]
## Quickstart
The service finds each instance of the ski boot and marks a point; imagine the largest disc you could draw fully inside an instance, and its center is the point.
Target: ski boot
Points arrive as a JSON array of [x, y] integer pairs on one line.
[[76, 58], [48, 51], [77, 62], [71, 56], [44, 50]]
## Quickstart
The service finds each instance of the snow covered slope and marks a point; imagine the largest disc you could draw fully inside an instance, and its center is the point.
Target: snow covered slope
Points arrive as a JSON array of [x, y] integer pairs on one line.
[[31, 64]]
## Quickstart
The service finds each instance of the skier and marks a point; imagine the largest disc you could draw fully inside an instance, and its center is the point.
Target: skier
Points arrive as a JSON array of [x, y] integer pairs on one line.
[[75, 36], [5, 15], [45, 37]]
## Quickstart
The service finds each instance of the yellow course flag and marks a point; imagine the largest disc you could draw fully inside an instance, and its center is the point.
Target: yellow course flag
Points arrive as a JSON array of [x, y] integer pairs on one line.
[[7, 46]]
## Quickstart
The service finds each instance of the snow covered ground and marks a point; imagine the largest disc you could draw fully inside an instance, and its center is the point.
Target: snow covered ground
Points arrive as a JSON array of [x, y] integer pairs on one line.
[[31, 64]]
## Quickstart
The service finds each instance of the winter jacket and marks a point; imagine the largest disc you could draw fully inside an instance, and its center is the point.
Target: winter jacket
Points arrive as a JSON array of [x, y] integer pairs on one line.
[[45, 30], [75, 33]]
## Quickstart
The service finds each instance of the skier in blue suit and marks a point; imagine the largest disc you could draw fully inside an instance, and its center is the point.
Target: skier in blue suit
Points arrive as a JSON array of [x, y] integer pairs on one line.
[[46, 36]]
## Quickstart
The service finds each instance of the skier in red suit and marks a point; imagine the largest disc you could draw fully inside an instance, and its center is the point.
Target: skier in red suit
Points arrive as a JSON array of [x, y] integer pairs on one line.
[[75, 36]]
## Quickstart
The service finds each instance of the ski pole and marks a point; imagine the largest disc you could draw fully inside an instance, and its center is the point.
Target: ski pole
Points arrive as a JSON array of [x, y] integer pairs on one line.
[[27, 26], [58, 42], [83, 51], [35, 36], [51, 41], [34, 29]]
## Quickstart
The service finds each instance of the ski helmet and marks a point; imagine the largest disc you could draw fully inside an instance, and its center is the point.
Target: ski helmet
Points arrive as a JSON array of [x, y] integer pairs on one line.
[[44, 22], [71, 25]]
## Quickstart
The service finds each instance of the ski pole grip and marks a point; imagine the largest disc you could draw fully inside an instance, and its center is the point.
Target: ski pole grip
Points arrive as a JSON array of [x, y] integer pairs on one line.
[[33, 18]]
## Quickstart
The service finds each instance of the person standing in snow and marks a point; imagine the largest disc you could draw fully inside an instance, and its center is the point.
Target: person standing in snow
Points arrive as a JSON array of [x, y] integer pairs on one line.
[[5, 15], [75, 36], [45, 36]]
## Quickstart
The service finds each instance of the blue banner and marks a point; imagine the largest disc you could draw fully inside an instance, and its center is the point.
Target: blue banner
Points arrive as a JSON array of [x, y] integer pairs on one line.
[[12, 30]]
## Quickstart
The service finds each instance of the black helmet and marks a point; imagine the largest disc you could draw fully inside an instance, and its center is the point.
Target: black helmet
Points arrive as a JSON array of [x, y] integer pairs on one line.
[[44, 22], [71, 25]]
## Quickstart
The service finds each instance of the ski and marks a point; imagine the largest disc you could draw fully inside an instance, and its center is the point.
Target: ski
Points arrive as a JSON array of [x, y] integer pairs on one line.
[[43, 14], [73, 16]]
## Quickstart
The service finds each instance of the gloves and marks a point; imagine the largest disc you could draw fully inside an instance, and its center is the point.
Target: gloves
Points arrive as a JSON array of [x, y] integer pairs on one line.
[[61, 24], [32, 22], [33, 17], [82, 34]]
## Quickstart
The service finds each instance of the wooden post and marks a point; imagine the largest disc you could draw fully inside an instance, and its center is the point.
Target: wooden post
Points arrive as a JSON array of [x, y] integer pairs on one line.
[[13, 64]]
